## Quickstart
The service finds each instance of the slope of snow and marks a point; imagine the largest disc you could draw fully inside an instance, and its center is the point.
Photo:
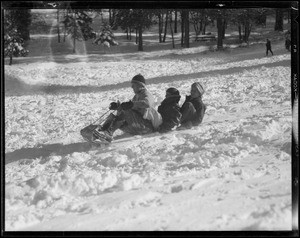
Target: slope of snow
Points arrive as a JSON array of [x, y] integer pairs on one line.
[[233, 172]]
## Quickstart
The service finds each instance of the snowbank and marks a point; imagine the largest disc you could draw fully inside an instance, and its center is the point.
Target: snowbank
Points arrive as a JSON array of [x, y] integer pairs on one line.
[[233, 172]]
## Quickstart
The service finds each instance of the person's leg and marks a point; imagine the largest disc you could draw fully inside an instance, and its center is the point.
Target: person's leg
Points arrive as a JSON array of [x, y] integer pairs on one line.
[[88, 132], [109, 127], [135, 124], [128, 121], [108, 121], [188, 111]]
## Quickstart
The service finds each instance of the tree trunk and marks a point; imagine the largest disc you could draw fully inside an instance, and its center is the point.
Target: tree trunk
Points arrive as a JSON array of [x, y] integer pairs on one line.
[[240, 32], [249, 31], [74, 32], [246, 31], [58, 32], [74, 42], [114, 26], [65, 30], [173, 42], [182, 28], [136, 36], [10, 59], [196, 30], [114, 18], [279, 20], [175, 26], [159, 28], [224, 29], [200, 27], [166, 26], [220, 33], [204, 28], [109, 16], [140, 38], [186, 30]]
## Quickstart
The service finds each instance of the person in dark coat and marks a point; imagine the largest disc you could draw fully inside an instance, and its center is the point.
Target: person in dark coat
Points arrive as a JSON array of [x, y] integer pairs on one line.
[[170, 110], [268, 46], [193, 109]]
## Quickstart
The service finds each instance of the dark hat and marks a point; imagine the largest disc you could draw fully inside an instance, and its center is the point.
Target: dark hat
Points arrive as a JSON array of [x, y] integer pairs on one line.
[[173, 91], [138, 79]]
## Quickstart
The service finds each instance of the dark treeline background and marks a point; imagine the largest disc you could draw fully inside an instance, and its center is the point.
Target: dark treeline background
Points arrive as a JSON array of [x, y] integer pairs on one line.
[[79, 24]]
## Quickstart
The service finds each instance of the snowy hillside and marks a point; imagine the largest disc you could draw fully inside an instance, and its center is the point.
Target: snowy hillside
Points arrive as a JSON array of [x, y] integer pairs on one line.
[[233, 172]]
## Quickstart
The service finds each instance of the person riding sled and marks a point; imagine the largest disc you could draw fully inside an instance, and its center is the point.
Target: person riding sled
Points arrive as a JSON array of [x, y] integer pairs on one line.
[[170, 110], [193, 109], [137, 116]]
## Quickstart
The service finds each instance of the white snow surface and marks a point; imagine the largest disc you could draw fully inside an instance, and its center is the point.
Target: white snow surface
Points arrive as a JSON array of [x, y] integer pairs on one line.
[[232, 172]]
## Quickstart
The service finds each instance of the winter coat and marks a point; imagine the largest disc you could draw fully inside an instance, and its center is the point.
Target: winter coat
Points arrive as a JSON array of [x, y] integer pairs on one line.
[[170, 112], [143, 102], [153, 115], [197, 117], [268, 44]]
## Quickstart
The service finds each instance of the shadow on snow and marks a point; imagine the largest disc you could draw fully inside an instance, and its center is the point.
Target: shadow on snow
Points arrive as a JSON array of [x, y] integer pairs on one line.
[[15, 87], [46, 150]]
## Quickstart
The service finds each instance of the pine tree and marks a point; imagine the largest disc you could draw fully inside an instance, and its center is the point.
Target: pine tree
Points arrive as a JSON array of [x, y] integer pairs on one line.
[[106, 36], [13, 42], [77, 24]]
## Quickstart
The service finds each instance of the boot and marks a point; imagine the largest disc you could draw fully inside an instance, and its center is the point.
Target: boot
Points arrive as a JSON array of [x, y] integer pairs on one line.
[[107, 134], [107, 122], [185, 125]]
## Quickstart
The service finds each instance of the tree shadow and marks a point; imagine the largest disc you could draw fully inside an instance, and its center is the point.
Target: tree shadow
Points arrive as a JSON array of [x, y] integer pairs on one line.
[[16, 87], [58, 149], [223, 72], [46, 150]]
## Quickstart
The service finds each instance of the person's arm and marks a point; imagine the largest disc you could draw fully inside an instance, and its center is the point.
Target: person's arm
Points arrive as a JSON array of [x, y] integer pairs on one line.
[[142, 101], [200, 110], [187, 99]]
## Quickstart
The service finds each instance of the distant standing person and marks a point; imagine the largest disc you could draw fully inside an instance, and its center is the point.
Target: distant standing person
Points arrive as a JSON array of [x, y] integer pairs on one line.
[[269, 48]]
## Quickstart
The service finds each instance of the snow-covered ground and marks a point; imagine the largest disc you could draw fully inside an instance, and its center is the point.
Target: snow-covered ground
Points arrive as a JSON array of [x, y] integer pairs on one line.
[[233, 172]]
